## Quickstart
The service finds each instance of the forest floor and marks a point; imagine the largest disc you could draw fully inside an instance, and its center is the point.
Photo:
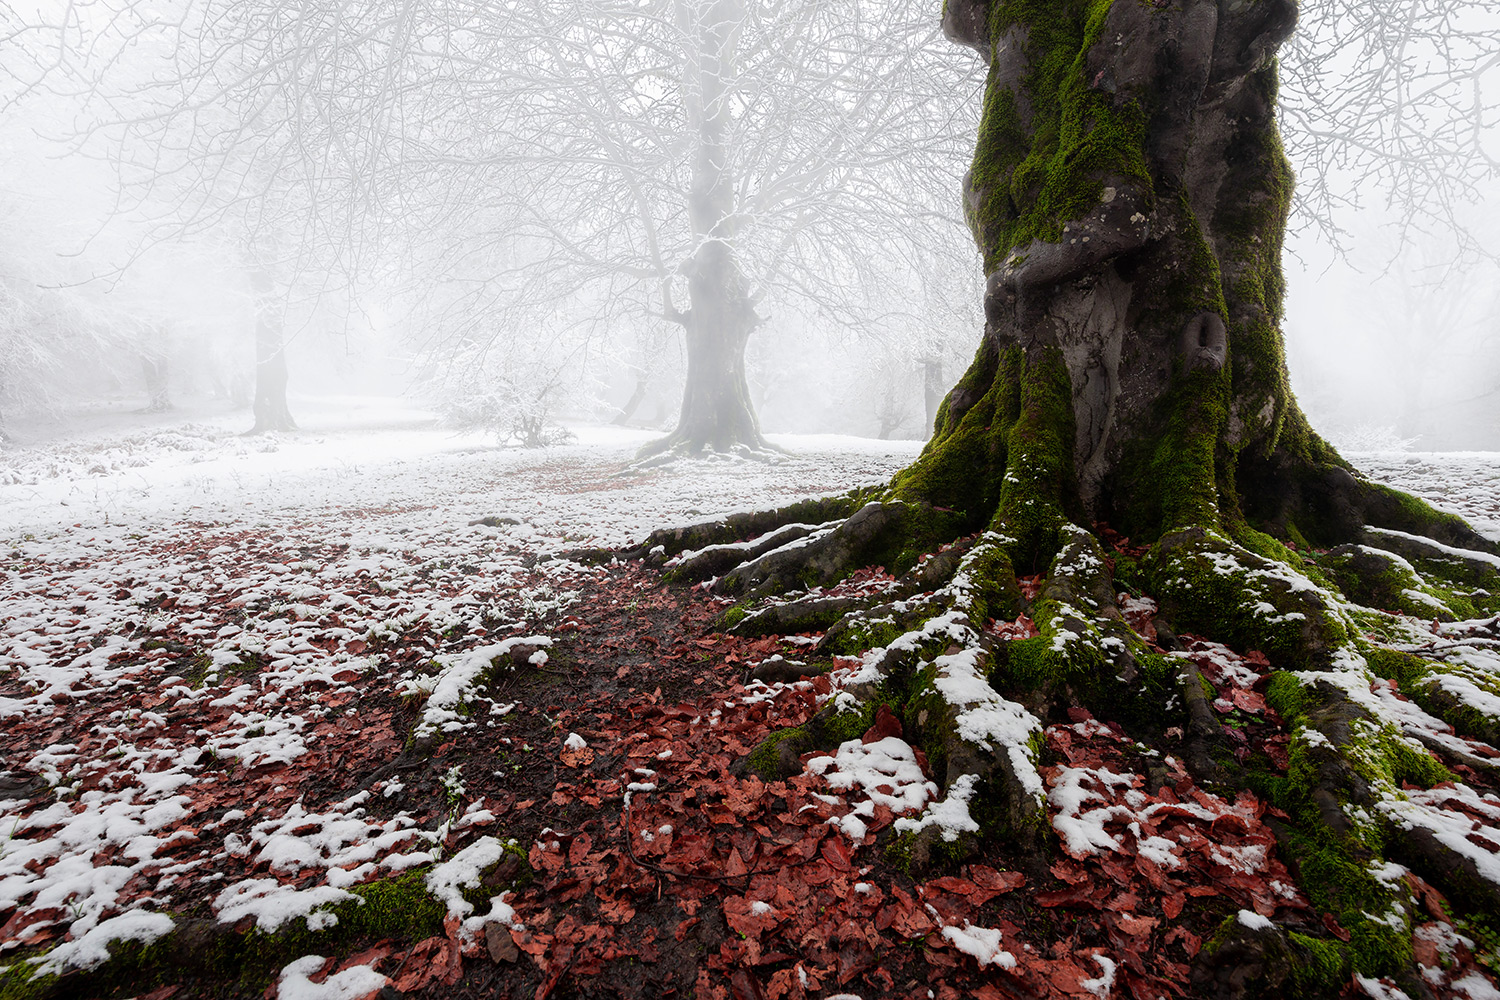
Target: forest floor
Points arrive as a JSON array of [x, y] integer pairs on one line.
[[322, 714]]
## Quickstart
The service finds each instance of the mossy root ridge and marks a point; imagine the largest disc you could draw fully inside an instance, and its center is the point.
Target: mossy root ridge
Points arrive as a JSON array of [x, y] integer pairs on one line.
[[247, 959], [1129, 196]]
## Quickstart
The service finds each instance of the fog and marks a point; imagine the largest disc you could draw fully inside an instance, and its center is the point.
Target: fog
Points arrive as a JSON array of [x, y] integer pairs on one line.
[[500, 215]]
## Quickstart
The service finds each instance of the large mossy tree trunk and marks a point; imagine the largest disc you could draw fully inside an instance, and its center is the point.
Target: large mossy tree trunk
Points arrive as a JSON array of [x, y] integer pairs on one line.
[[716, 412], [271, 375], [1129, 195]]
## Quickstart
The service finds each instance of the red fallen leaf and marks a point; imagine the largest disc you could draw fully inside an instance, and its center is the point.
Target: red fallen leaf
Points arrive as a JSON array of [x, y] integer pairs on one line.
[[1079, 895], [428, 962], [163, 992], [922, 761], [781, 985], [1247, 700], [1068, 976], [681, 932], [886, 725], [855, 956], [836, 853], [1190, 941], [744, 986], [1125, 902], [576, 756], [1136, 926], [371, 956], [1171, 905], [1333, 927], [1152, 873], [735, 866], [911, 923], [996, 881], [1425, 950], [1431, 898], [936, 954], [749, 917], [535, 945], [948, 883]]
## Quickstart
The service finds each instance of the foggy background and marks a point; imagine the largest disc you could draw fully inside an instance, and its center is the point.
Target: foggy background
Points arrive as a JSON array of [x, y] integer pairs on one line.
[[445, 239]]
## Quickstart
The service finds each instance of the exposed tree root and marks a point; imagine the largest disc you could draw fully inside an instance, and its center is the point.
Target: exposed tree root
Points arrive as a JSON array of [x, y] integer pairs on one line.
[[1370, 789]]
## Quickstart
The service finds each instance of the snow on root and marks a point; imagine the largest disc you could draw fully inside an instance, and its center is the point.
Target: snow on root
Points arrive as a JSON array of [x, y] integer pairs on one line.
[[272, 904], [885, 772], [465, 870], [951, 815], [91, 948], [461, 676], [1458, 817], [354, 983], [986, 718]]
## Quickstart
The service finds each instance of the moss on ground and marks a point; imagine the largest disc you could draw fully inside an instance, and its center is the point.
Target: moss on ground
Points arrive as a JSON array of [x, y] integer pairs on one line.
[[399, 907]]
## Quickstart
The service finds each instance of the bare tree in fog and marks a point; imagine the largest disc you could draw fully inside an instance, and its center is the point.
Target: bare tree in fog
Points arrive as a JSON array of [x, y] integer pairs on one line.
[[229, 125], [708, 160], [700, 161], [1393, 100]]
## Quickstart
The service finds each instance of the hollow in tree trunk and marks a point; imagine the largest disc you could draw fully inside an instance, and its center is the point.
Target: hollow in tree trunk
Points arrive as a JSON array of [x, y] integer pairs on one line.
[[269, 404], [1127, 427]]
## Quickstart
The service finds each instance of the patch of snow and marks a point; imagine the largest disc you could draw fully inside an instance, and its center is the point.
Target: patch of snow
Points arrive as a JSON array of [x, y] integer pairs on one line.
[[1476, 986], [1104, 984], [1254, 920], [980, 943], [951, 815], [351, 984]]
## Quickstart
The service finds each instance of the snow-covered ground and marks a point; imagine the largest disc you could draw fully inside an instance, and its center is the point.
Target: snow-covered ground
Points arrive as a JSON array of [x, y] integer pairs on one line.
[[395, 466], [124, 551], [1465, 482], [145, 569]]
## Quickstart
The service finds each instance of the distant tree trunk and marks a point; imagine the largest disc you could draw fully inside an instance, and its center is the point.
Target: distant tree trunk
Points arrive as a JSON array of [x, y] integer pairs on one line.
[[716, 409], [271, 412], [933, 388], [642, 383], [158, 388]]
